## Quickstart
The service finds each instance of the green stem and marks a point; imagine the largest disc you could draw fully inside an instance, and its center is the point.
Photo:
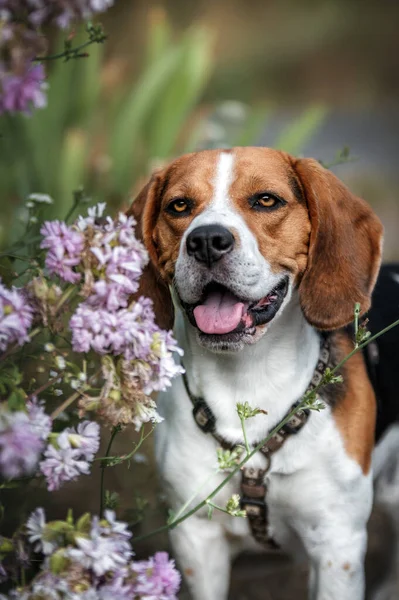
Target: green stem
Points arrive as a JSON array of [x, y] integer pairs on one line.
[[115, 430], [65, 296], [117, 460], [217, 507], [194, 495], [11, 349], [42, 388], [69, 52], [244, 434], [323, 382]]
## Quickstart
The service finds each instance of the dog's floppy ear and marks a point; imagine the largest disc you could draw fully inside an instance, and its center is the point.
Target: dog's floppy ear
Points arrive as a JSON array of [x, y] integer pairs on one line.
[[344, 251], [145, 209]]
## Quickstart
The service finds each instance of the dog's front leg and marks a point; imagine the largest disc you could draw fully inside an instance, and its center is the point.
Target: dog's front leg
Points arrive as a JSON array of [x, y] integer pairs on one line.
[[203, 556], [337, 570]]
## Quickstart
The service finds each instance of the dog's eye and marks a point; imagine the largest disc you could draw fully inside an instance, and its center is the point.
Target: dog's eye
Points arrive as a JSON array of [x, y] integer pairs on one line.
[[266, 201], [179, 206]]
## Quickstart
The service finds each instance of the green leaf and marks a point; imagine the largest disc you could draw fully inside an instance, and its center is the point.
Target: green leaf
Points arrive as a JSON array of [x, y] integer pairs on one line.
[[128, 125], [182, 92], [295, 136]]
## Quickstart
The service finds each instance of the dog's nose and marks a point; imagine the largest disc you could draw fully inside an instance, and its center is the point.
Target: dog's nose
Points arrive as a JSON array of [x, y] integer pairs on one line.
[[209, 243]]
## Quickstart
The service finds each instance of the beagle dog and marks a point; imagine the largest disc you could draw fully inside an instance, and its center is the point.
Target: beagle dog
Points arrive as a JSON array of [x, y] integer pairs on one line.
[[258, 258]]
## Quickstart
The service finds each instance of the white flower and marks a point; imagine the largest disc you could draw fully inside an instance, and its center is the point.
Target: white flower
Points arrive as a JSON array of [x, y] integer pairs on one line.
[[40, 199], [36, 533], [60, 362]]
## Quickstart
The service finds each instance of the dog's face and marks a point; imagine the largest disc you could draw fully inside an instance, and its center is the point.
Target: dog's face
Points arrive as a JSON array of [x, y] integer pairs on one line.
[[234, 231]]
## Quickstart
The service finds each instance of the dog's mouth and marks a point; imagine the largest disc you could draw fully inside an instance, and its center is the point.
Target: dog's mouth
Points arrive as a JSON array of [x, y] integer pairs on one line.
[[220, 312]]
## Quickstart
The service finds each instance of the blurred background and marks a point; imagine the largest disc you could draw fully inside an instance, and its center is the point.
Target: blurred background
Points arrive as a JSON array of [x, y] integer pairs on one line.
[[315, 78]]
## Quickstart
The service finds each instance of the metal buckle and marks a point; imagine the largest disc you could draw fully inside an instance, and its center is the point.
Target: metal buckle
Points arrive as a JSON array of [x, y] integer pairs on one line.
[[204, 417], [253, 507]]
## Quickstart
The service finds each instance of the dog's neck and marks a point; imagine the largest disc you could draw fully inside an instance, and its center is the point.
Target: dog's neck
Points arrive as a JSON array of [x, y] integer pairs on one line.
[[271, 374]]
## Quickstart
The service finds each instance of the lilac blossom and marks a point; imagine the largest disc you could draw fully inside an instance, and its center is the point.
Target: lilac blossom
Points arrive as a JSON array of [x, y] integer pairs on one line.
[[64, 247], [22, 92], [126, 331], [104, 551], [63, 463], [22, 438], [119, 261], [100, 559], [16, 316], [156, 578], [62, 13], [86, 438]]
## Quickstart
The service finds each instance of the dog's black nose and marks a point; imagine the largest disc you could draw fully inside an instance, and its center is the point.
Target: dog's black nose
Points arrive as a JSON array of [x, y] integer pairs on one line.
[[209, 243]]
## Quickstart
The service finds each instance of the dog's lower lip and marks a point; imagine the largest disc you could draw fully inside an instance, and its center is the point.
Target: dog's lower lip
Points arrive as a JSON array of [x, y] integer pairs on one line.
[[257, 313]]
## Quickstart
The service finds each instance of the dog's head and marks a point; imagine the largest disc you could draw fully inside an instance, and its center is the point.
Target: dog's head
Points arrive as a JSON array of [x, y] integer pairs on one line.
[[235, 231]]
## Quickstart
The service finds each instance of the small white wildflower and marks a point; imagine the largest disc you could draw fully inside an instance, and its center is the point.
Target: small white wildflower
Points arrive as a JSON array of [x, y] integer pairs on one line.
[[33, 220], [58, 392], [82, 376], [75, 384], [60, 362], [29, 205], [53, 373], [49, 348], [41, 198]]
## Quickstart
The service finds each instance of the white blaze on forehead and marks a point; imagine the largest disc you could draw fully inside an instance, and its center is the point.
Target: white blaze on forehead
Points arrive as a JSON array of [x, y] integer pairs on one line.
[[223, 178]]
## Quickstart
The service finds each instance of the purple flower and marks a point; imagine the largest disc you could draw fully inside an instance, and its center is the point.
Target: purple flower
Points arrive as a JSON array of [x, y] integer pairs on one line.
[[126, 331], [40, 421], [21, 93], [63, 463], [119, 257], [22, 437], [64, 248], [101, 552], [16, 316], [86, 439], [157, 578], [59, 12]]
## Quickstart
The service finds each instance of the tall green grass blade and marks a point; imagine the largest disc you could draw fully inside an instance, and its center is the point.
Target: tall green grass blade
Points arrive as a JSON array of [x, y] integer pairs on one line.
[[295, 135], [72, 170], [183, 92], [125, 133], [159, 36]]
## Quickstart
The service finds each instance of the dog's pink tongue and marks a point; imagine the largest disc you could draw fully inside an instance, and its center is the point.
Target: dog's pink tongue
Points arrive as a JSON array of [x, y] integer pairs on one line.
[[221, 313]]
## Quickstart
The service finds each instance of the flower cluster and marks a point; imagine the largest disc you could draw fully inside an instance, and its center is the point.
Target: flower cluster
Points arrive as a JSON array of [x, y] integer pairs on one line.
[[64, 247], [107, 256], [22, 439], [70, 454], [16, 316], [22, 81], [92, 560]]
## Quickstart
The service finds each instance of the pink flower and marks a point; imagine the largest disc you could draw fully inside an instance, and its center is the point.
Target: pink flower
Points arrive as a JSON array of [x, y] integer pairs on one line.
[[21, 93], [16, 316]]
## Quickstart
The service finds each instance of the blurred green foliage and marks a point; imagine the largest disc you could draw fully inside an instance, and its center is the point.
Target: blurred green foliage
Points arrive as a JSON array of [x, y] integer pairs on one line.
[[106, 134]]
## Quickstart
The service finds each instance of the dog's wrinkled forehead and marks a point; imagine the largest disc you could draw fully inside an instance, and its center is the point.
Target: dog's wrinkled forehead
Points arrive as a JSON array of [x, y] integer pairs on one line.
[[214, 176]]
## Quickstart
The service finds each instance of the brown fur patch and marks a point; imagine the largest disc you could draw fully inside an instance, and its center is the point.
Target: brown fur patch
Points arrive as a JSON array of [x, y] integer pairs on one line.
[[355, 412]]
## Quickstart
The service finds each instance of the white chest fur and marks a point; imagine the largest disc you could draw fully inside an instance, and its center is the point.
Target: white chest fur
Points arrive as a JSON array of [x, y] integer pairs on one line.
[[316, 493]]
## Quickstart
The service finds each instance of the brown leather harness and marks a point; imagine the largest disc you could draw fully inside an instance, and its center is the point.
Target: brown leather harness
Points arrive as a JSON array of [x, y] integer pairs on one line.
[[253, 485]]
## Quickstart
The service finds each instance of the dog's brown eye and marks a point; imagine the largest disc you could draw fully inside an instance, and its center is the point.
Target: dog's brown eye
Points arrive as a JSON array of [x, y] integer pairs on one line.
[[179, 206], [266, 201]]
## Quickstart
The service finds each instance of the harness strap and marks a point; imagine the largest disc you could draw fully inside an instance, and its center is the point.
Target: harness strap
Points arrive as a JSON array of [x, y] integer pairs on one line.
[[253, 485]]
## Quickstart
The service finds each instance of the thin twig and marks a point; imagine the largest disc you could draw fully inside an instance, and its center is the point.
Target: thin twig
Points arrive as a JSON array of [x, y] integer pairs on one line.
[[115, 430]]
